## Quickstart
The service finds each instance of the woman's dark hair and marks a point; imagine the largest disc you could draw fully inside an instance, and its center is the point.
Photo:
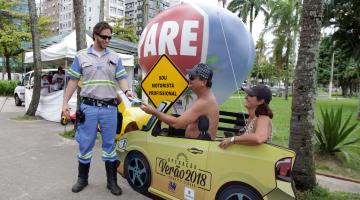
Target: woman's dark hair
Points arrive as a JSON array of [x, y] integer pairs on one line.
[[100, 27], [264, 109]]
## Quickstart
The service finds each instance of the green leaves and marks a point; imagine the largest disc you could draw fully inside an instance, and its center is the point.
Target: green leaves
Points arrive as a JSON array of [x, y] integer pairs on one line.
[[333, 131], [126, 33]]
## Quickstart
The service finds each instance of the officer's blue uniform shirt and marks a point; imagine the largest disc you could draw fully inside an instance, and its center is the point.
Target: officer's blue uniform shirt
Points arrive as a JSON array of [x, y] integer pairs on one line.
[[98, 74]]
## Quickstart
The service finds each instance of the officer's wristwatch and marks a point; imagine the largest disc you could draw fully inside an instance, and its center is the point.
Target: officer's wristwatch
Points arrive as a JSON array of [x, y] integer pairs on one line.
[[232, 140], [126, 91]]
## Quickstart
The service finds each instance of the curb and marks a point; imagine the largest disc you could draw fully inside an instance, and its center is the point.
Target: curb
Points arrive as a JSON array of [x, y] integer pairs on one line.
[[338, 177]]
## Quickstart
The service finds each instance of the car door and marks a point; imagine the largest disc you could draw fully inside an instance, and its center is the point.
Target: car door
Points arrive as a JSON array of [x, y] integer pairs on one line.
[[179, 166]]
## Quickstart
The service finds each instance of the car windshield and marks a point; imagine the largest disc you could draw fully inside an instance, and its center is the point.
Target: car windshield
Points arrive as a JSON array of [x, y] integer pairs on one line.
[[151, 121]]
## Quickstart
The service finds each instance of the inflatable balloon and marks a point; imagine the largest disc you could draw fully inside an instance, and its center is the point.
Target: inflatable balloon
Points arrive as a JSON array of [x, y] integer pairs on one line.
[[190, 33]]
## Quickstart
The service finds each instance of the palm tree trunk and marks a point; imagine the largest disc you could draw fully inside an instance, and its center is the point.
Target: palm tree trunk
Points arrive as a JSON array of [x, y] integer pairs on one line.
[[287, 74], [37, 59], [102, 15], [7, 64], [303, 103], [80, 34], [251, 16], [250, 24]]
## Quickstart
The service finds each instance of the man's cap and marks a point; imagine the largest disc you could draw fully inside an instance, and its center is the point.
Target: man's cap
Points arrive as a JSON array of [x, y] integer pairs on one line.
[[202, 70], [260, 91]]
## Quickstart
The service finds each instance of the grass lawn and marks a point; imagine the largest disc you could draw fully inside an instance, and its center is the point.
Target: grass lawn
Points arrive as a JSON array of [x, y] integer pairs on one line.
[[281, 129], [27, 118], [320, 193]]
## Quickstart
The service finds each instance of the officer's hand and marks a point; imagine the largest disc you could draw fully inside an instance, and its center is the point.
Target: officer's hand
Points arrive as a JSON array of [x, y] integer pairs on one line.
[[66, 110], [148, 109], [130, 94]]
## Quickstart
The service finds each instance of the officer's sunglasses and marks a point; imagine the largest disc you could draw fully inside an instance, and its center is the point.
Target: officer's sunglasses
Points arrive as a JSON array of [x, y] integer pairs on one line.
[[104, 37]]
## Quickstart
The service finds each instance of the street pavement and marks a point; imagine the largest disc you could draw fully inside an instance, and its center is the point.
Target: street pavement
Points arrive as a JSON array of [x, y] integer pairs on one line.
[[38, 164], [337, 185]]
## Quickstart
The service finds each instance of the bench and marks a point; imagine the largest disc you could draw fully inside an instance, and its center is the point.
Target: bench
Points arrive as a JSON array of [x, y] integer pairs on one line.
[[235, 120]]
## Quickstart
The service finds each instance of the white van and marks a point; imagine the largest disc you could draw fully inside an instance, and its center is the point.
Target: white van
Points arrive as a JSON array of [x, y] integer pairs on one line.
[[27, 82], [51, 100]]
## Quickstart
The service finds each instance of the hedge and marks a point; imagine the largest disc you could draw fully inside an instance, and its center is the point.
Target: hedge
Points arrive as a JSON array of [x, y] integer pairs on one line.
[[7, 87]]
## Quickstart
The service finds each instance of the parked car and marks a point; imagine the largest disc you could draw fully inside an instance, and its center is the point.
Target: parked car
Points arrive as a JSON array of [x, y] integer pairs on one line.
[[160, 160], [278, 91], [26, 82]]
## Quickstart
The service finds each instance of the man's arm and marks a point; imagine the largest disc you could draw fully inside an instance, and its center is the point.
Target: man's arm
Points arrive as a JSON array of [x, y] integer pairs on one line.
[[121, 77], [71, 87], [124, 86], [183, 121]]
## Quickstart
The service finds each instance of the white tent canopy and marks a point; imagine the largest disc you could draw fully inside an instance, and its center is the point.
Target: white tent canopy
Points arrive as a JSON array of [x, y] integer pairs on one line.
[[66, 48]]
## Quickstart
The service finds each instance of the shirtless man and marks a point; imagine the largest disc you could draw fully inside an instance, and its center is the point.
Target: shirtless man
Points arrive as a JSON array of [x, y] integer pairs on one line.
[[205, 104]]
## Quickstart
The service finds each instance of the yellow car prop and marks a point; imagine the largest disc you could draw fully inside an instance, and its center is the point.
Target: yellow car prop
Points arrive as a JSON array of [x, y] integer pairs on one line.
[[133, 118], [130, 117], [159, 160]]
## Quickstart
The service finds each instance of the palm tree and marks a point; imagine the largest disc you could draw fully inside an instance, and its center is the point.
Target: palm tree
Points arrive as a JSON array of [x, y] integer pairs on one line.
[[284, 25], [247, 8], [37, 59], [101, 12], [260, 56], [80, 33], [303, 103]]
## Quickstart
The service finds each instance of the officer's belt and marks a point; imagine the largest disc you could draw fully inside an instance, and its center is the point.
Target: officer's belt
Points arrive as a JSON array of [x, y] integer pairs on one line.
[[97, 102]]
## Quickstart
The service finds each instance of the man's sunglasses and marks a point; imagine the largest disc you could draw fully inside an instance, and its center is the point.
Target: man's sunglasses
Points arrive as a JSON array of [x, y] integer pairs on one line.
[[104, 37]]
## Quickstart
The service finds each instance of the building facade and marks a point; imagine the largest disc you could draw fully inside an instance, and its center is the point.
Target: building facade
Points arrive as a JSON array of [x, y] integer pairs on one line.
[[50, 8], [140, 12]]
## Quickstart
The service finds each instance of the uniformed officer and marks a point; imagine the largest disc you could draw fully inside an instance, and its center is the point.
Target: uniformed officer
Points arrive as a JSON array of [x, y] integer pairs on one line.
[[99, 69]]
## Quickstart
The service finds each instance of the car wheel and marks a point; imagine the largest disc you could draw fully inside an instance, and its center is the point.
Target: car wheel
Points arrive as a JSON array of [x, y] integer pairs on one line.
[[238, 192], [137, 172], [17, 100]]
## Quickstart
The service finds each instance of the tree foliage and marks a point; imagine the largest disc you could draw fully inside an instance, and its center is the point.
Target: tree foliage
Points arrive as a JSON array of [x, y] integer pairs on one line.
[[344, 17], [346, 69], [11, 33], [126, 33], [283, 22], [246, 8]]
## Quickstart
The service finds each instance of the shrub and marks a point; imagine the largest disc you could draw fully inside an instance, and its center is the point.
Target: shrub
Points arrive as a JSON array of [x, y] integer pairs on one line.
[[138, 91], [7, 87], [332, 132]]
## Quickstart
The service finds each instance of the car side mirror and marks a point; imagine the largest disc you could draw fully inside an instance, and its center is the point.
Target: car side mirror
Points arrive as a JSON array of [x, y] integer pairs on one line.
[[203, 124]]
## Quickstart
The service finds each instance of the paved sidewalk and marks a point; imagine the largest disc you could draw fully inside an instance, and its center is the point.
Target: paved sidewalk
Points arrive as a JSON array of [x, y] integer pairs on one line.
[[38, 164], [337, 185], [7, 104]]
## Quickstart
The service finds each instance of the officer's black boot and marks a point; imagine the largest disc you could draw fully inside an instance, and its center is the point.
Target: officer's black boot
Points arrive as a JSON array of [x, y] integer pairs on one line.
[[111, 174], [82, 181]]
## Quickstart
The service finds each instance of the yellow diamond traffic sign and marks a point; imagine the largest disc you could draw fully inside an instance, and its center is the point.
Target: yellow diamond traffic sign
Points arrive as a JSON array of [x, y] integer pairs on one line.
[[164, 82]]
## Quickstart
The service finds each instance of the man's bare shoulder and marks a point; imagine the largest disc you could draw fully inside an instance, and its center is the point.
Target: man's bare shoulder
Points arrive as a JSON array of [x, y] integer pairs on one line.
[[205, 104]]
